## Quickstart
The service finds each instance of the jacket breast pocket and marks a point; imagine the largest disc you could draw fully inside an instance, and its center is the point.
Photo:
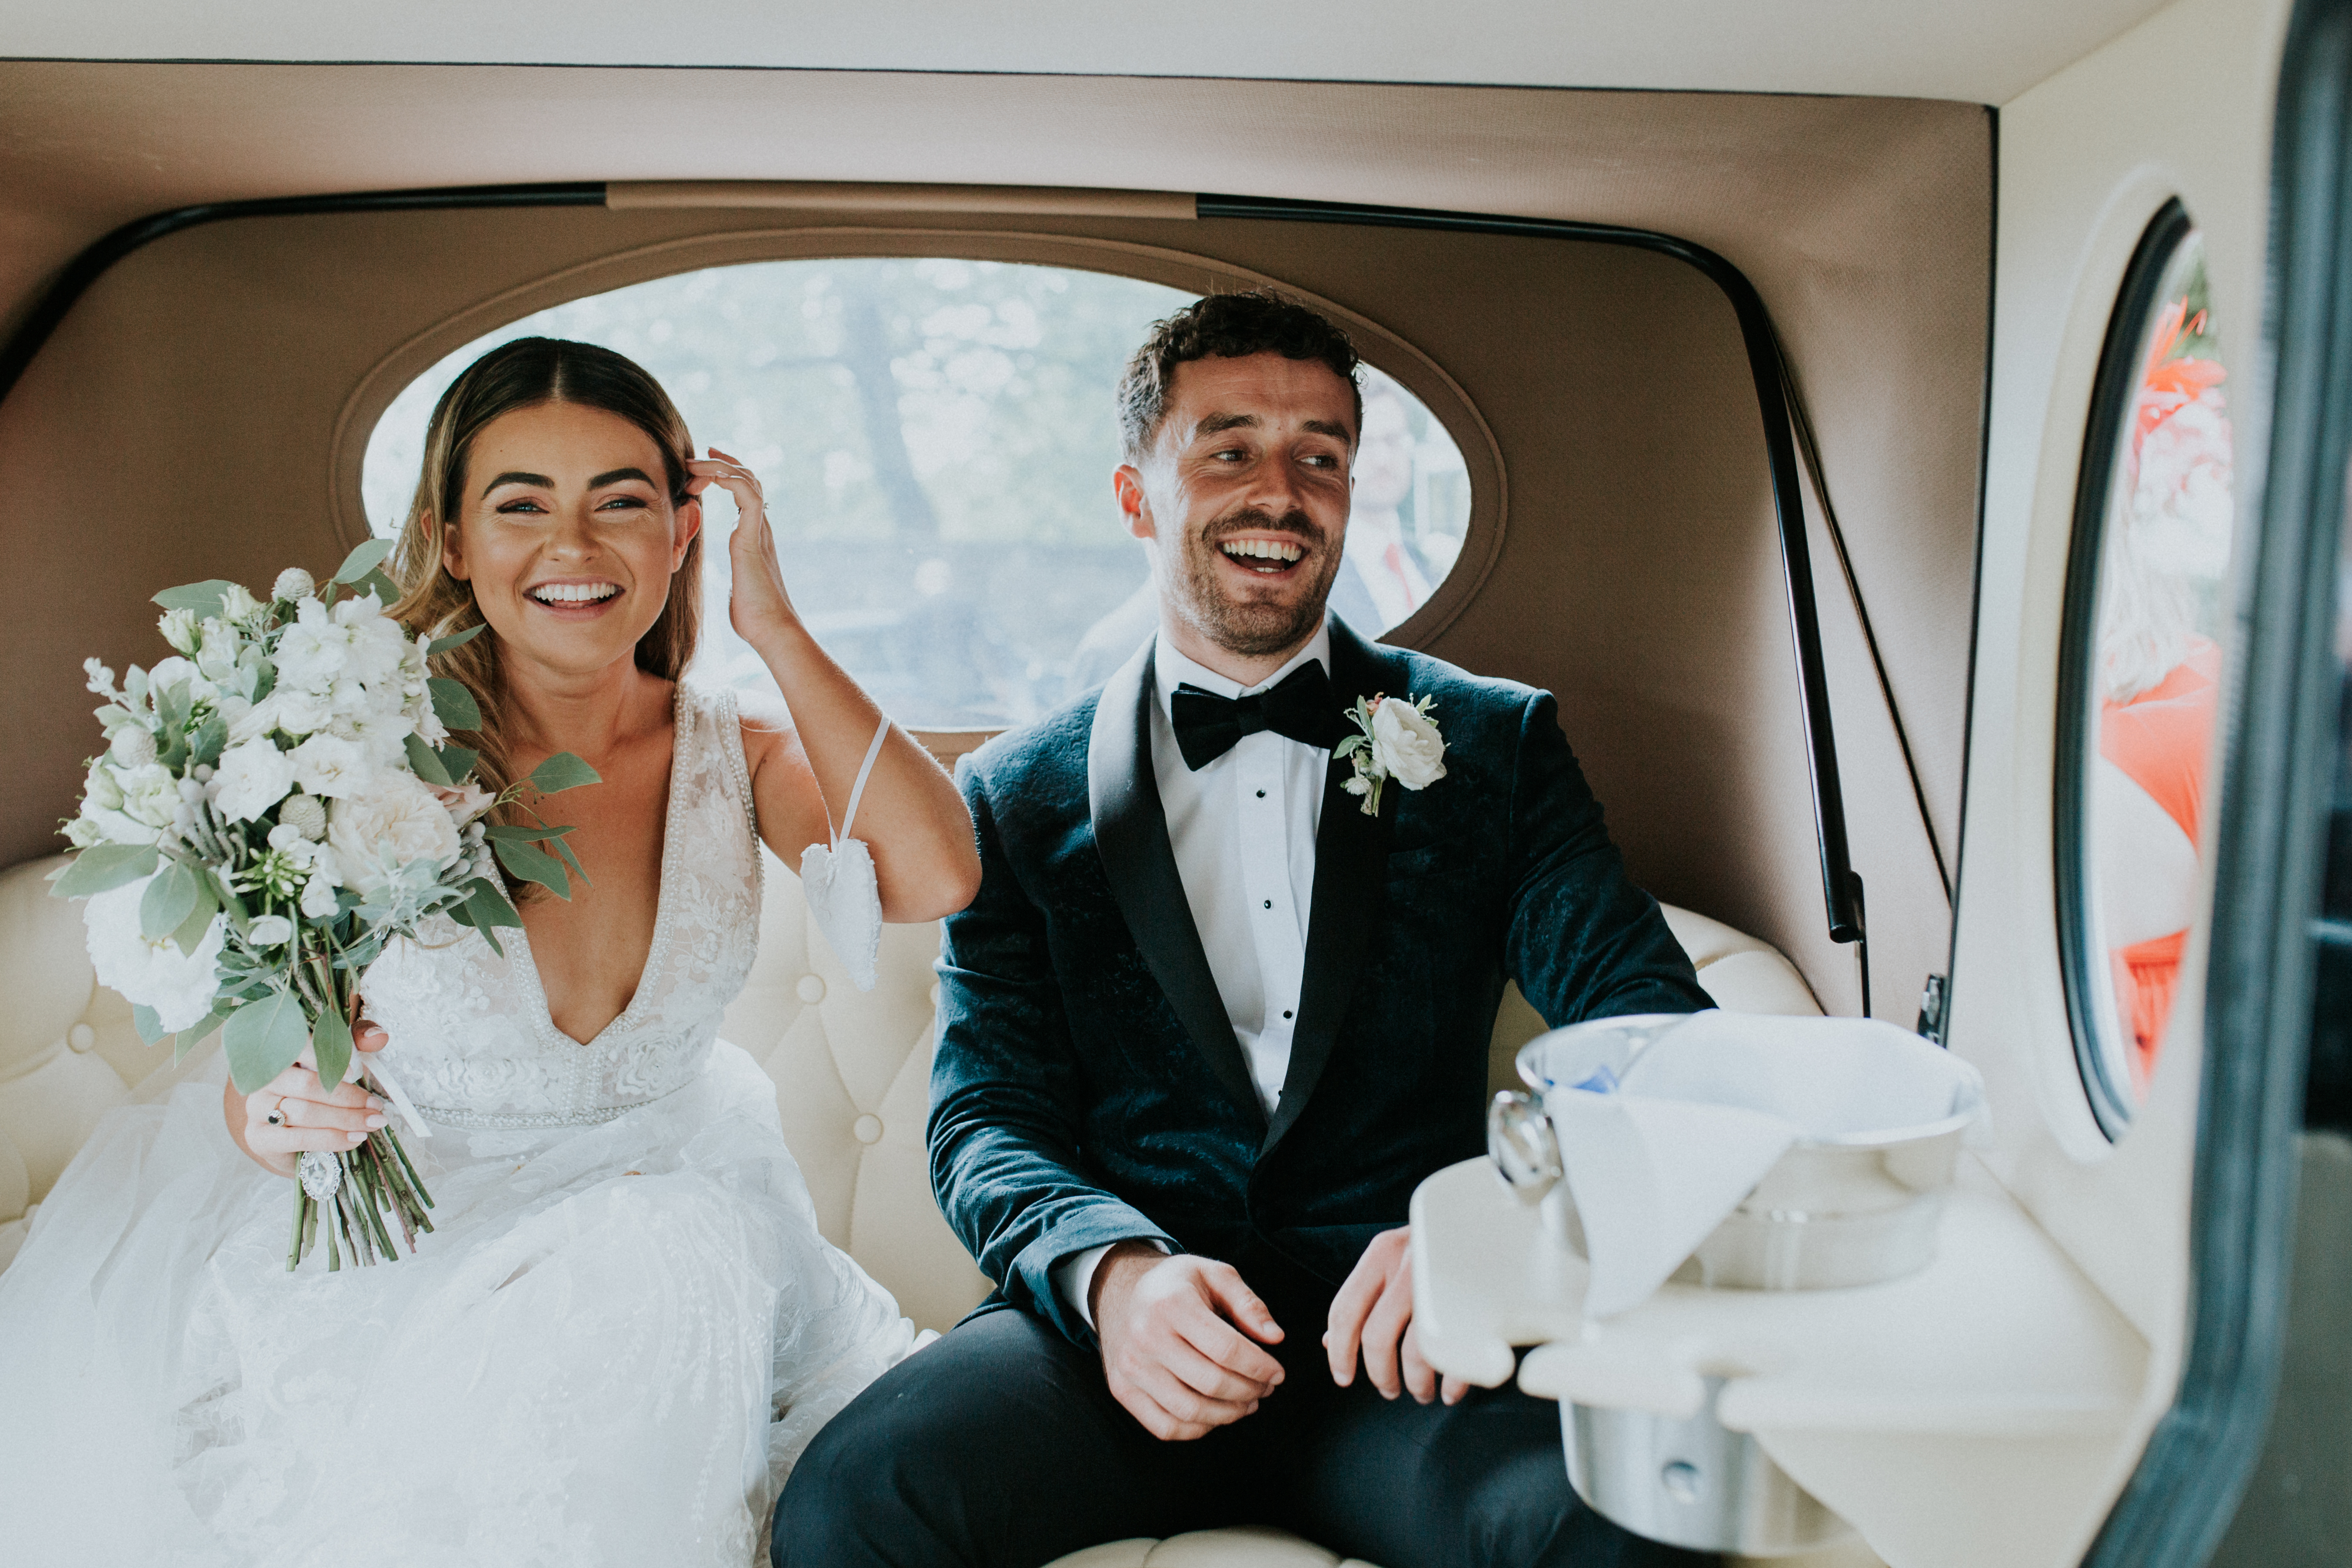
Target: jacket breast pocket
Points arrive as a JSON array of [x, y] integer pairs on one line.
[[1419, 861]]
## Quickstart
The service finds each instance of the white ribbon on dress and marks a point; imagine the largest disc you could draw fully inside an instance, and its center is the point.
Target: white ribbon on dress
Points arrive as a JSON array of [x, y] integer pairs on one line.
[[842, 897]]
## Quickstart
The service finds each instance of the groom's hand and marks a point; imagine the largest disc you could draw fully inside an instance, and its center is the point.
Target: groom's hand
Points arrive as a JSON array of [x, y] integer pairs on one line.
[[1176, 1341], [1373, 1310]]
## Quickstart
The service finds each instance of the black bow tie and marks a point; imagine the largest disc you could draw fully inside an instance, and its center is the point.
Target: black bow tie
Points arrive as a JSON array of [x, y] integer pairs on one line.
[[1300, 708]]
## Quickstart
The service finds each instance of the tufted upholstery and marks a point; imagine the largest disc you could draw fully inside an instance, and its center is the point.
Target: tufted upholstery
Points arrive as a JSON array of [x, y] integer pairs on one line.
[[852, 1073]]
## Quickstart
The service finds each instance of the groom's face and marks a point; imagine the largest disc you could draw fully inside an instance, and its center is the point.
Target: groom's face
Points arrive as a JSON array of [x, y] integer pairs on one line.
[[1243, 496]]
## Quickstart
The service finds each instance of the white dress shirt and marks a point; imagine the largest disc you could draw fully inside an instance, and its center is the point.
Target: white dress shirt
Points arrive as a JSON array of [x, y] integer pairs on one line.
[[1243, 829]]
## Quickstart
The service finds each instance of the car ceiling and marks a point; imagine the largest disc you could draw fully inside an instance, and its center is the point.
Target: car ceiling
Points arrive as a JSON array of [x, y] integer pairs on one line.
[[1985, 52]]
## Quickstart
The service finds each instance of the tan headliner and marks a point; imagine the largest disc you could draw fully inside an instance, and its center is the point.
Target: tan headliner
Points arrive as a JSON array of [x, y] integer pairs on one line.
[[1864, 224]]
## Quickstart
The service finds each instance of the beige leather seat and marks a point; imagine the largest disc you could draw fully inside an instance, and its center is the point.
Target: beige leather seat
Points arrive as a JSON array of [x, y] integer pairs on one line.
[[852, 1073]]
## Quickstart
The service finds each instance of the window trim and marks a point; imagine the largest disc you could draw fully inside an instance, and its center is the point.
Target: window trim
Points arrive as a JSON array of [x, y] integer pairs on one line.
[[2114, 390]]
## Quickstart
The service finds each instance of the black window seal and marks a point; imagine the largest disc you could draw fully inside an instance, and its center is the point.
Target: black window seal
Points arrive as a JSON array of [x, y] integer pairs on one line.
[[2270, 843], [1842, 886], [2114, 390]]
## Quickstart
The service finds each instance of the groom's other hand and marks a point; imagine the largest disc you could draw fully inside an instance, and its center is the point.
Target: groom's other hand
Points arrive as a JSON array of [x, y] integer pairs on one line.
[[1177, 1336], [1373, 1310]]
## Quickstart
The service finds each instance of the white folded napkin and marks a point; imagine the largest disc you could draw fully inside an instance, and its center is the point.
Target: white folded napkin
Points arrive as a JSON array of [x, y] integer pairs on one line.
[[1660, 1143]]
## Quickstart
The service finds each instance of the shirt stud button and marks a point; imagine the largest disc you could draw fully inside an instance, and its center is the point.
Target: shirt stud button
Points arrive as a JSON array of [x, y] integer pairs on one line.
[[1269, 903], [1261, 795], [1286, 1012]]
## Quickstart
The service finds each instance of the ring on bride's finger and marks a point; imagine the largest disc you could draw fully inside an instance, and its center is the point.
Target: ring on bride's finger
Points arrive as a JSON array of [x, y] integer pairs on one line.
[[277, 1117]]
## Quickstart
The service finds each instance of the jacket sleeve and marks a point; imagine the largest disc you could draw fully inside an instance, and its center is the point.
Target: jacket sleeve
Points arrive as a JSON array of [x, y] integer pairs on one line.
[[1007, 1097], [1583, 941]]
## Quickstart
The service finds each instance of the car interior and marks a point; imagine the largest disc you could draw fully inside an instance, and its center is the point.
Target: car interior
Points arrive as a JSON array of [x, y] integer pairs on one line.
[[1769, 382]]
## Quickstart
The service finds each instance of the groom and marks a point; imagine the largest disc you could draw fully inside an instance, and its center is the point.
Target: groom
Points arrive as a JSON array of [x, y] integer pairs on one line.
[[1209, 1022]]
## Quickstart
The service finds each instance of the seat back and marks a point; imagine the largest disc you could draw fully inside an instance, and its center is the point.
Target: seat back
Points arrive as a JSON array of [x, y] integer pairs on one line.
[[851, 1069]]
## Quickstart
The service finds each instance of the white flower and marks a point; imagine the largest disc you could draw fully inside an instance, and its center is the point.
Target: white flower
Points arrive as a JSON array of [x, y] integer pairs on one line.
[[218, 647], [303, 814], [465, 803], [327, 766], [237, 603], [101, 679], [251, 779], [378, 647], [150, 795], [311, 652], [1406, 745], [293, 583], [179, 985], [318, 892], [396, 823], [132, 746], [179, 629], [268, 931]]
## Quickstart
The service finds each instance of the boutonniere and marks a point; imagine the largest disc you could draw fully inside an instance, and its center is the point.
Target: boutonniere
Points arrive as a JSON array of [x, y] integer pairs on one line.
[[1398, 740]]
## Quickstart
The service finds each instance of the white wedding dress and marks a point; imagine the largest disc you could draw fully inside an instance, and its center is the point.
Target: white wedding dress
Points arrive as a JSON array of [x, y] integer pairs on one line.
[[622, 1330]]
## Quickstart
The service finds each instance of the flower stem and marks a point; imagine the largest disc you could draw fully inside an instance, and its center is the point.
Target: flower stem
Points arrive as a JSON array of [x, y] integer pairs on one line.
[[301, 1211]]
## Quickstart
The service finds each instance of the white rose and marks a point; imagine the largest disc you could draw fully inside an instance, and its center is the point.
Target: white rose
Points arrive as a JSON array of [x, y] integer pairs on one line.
[[326, 765], [465, 803], [269, 930], [179, 985], [150, 795], [396, 822], [293, 583], [250, 779], [237, 602], [1406, 746], [179, 629]]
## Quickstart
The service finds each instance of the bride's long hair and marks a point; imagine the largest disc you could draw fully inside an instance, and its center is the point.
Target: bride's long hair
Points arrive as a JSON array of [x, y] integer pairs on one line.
[[524, 374]]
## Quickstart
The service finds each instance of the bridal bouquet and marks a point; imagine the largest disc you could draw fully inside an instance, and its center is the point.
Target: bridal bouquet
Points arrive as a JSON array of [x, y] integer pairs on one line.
[[275, 801]]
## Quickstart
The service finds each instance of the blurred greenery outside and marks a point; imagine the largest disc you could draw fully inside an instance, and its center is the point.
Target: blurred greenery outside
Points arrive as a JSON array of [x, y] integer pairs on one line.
[[936, 439]]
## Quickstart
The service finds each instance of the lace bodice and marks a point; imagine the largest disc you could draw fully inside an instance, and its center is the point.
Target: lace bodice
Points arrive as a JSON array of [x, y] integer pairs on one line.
[[472, 1041]]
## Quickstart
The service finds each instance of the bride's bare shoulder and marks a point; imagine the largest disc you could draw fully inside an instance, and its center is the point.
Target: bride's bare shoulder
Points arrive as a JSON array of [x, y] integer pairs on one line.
[[767, 723]]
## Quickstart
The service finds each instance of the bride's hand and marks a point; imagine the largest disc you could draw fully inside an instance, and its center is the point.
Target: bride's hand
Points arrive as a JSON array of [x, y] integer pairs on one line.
[[294, 1111], [760, 605]]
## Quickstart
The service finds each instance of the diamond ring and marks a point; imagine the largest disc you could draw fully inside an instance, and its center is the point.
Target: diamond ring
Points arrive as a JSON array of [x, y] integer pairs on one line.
[[277, 1117]]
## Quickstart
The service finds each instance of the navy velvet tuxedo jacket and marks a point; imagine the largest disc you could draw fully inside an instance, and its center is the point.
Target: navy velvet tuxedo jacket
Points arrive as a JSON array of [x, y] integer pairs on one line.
[[1087, 1087]]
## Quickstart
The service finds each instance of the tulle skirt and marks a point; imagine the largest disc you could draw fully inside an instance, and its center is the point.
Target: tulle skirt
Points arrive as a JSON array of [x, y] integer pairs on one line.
[[610, 1350]]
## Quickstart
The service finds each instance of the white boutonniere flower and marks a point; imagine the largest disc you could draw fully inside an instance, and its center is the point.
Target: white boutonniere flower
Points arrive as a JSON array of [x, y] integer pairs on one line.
[[1398, 740]]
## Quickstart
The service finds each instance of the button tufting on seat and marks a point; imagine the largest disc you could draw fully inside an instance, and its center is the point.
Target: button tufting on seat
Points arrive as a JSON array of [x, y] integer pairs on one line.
[[867, 1130], [82, 1036], [810, 989]]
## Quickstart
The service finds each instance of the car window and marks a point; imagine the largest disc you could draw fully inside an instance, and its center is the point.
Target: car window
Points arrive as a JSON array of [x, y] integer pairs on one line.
[[936, 439], [2155, 526]]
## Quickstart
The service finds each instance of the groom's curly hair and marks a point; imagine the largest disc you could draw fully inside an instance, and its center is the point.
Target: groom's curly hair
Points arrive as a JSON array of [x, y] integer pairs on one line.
[[1230, 326]]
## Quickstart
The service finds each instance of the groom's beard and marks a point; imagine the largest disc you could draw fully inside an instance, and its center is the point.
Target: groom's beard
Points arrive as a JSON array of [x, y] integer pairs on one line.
[[1257, 620]]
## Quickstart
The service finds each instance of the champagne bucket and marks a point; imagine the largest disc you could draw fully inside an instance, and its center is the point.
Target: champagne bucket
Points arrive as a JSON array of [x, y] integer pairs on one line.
[[1831, 1211]]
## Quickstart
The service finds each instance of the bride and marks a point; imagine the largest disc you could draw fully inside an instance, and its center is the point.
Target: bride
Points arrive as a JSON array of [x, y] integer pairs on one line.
[[624, 1326]]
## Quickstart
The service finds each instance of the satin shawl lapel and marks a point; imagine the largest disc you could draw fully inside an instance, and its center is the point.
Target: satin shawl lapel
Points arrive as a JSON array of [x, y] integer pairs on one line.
[[1131, 835], [1350, 879]]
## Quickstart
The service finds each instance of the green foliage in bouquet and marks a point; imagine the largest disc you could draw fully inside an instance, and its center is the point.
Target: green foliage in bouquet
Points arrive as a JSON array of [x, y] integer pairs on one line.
[[277, 801]]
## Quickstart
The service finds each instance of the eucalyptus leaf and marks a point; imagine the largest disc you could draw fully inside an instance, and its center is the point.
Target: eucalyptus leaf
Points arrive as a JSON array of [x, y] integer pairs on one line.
[[562, 772], [457, 762], [489, 904], [363, 561], [148, 1022], [206, 740], [454, 705], [387, 591], [527, 834], [191, 930], [205, 597], [331, 1046], [198, 1033], [456, 640], [533, 866], [104, 866], [263, 1038], [168, 899], [570, 859], [426, 761]]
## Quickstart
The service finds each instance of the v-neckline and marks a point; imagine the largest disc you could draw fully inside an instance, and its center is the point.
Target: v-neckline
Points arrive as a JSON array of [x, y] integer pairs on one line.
[[543, 1014]]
